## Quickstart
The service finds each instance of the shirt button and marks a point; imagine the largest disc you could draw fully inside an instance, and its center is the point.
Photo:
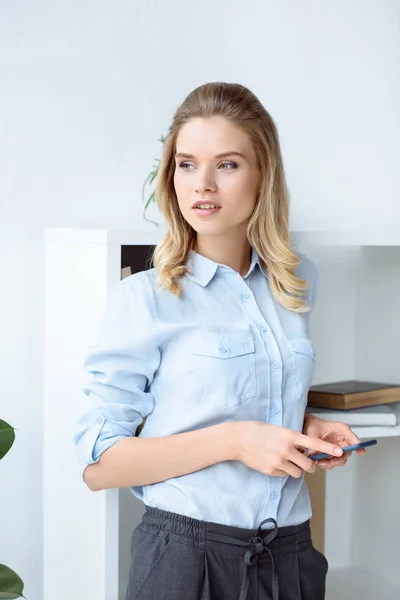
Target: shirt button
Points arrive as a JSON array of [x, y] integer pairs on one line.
[[276, 366], [222, 349], [274, 495], [245, 295], [99, 420], [276, 410]]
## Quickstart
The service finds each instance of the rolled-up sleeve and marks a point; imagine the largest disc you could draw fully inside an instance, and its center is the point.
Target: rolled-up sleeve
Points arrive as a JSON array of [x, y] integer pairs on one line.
[[122, 364]]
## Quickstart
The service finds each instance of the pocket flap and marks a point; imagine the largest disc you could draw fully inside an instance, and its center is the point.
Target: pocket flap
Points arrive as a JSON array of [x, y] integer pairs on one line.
[[303, 345], [222, 346]]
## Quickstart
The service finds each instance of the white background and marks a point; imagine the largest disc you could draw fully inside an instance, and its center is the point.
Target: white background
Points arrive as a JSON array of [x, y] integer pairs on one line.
[[86, 90]]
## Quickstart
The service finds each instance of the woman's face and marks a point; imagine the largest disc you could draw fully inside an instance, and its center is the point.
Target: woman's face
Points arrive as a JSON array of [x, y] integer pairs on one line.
[[215, 164]]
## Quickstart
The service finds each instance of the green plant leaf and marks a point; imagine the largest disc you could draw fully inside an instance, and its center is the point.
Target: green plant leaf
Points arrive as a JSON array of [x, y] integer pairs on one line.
[[144, 186], [149, 182], [153, 176], [7, 437], [11, 585], [150, 199]]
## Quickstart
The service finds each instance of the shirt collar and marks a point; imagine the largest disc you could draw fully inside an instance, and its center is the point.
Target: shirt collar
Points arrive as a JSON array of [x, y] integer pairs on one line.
[[203, 269]]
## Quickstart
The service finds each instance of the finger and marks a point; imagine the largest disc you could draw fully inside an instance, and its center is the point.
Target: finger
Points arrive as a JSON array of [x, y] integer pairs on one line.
[[325, 464], [316, 444], [292, 469], [302, 461], [278, 473], [331, 463], [349, 436]]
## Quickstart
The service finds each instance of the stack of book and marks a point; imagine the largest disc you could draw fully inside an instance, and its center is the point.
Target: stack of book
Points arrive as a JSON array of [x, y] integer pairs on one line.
[[355, 402]]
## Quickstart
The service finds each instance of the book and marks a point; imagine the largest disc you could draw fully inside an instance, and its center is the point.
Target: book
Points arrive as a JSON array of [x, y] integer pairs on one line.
[[353, 393], [369, 415]]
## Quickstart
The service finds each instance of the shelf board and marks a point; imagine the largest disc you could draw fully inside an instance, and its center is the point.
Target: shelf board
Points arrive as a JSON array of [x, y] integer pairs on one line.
[[381, 237], [358, 584], [387, 237]]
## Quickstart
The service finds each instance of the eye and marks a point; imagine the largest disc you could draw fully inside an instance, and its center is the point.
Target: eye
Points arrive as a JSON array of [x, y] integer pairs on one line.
[[183, 166], [228, 165]]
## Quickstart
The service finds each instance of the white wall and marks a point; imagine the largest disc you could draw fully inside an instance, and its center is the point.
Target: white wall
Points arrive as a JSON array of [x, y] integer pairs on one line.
[[88, 87]]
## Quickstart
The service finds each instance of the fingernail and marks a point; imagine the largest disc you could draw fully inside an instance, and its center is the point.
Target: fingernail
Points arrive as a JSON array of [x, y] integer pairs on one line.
[[338, 451]]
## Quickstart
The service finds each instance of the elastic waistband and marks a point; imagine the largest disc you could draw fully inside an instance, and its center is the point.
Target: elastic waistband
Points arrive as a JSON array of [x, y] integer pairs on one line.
[[197, 532]]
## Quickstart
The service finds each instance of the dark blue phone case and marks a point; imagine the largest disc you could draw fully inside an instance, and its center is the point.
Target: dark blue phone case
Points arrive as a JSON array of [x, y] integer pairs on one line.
[[322, 455]]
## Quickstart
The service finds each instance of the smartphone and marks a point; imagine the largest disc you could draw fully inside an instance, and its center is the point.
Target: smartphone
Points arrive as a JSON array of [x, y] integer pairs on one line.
[[322, 455]]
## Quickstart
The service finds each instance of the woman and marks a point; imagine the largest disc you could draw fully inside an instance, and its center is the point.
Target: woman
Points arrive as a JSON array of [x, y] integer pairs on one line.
[[211, 350]]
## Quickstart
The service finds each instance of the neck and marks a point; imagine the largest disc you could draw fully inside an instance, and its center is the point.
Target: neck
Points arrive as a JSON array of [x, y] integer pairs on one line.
[[225, 251]]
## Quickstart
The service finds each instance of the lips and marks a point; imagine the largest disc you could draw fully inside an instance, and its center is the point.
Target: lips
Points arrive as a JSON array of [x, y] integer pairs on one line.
[[200, 202]]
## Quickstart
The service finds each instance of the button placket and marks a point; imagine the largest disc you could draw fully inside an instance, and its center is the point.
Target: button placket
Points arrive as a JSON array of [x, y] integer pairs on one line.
[[275, 412], [273, 363], [274, 356]]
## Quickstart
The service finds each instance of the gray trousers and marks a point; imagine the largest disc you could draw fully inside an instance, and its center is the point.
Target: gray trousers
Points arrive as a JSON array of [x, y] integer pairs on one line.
[[175, 557]]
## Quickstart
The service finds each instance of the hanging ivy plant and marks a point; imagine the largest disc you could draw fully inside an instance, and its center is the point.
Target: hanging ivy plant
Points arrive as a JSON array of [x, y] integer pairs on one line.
[[11, 585], [148, 186]]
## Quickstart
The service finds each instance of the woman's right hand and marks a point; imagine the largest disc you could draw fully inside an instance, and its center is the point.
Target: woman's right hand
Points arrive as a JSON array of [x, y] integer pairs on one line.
[[278, 451]]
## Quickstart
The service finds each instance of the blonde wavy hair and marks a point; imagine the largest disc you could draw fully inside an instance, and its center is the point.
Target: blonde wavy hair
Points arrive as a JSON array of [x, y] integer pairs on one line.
[[268, 228]]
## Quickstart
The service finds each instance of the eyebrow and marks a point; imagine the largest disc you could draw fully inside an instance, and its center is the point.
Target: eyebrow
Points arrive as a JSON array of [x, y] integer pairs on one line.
[[184, 155]]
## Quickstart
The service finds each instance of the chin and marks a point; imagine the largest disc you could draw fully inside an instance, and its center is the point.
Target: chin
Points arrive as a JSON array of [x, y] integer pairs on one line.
[[208, 228]]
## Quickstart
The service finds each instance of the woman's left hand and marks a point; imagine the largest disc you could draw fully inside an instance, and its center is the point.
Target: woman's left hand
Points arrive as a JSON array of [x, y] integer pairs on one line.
[[331, 431]]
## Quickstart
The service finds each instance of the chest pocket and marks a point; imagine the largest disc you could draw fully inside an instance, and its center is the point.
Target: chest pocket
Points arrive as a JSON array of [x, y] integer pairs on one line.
[[304, 365], [225, 366]]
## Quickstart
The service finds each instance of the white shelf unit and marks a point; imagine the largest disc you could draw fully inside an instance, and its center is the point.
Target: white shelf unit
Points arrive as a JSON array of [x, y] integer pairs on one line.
[[355, 327], [357, 584]]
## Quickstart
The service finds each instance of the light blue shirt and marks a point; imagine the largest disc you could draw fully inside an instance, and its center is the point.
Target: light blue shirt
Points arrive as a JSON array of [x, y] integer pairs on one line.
[[226, 350]]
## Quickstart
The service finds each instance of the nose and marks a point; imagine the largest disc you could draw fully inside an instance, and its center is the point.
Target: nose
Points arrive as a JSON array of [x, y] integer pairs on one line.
[[205, 183]]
